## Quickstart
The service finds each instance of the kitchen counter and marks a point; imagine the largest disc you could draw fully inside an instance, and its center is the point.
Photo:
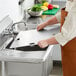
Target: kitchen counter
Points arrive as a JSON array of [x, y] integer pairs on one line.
[[27, 37], [5, 39]]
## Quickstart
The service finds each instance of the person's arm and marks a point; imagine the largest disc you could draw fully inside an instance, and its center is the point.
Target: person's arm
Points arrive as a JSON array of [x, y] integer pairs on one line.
[[52, 41], [54, 20], [45, 43]]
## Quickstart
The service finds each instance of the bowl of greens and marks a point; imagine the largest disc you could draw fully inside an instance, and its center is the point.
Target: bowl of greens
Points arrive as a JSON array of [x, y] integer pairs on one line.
[[35, 11]]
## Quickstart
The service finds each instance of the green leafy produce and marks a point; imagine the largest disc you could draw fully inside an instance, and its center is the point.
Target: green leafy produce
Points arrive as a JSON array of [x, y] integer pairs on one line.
[[36, 8], [43, 1]]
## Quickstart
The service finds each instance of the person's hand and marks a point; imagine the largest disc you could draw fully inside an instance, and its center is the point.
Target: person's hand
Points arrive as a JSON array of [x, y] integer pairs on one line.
[[43, 43], [41, 26]]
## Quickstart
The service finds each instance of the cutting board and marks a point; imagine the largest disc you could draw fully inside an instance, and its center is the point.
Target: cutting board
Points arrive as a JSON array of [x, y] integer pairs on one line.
[[51, 12]]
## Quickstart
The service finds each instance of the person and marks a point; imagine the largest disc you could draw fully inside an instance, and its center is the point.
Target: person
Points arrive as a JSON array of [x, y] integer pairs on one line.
[[66, 37]]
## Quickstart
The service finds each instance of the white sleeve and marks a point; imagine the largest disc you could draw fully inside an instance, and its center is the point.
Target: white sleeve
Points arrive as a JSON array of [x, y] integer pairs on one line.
[[58, 16], [68, 7], [68, 31]]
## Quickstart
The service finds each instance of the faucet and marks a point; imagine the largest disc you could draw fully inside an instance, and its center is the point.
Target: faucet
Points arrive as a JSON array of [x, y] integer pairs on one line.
[[20, 2], [10, 30]]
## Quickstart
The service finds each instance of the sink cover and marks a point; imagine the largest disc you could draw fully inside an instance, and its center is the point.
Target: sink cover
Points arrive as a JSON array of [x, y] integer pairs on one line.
[[27, 40]]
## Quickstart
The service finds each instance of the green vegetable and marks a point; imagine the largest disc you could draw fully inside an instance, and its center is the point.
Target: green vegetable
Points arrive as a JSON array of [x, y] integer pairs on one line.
[[43, 1], [36, 8]]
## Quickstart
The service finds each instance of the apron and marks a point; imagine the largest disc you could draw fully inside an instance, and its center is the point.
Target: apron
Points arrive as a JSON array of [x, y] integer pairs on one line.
[[68, 52]]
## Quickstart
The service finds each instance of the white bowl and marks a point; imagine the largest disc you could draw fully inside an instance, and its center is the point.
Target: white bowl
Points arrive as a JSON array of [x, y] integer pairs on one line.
[[32, 13]]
